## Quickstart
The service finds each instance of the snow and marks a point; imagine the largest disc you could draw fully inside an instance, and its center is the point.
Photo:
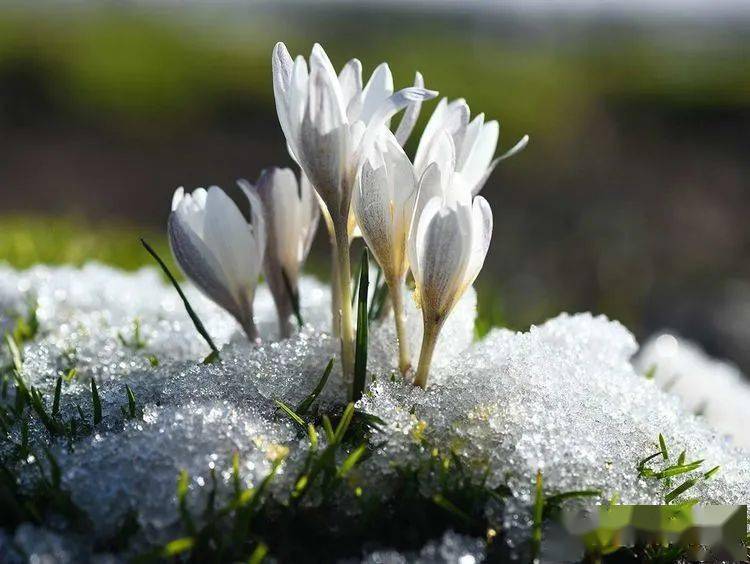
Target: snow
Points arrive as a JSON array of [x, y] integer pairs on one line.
[[563, 398], [714, 388]]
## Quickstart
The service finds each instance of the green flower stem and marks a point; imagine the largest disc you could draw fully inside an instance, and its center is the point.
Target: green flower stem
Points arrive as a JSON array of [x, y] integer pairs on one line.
[[429, 340], [341, 232], [396, 292]]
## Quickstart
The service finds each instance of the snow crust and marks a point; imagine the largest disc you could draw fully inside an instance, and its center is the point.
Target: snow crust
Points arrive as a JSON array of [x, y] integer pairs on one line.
[[563, 398]]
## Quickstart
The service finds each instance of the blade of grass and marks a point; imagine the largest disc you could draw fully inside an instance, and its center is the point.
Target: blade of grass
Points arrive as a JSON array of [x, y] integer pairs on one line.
[[379, 297], [183, 481], [177, 547], [449, 506], [307, 402], [346, 419], [290, 413], [131, 400], [351, 461], [260, 551], [711, 472], [360, 354], [71, 374], [677, 470], [663, 447], [313, 434], [191, 312], [355, 285], [15, 353], [236, 480], [328, 428], [97, 402], [56, 401], [682, 488], [642, 464]]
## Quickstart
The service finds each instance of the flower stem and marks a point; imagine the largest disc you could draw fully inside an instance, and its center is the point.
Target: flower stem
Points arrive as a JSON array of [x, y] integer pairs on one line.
[[245, 319], [335, 293], [429, 340], [396, 291], [345, 303], [250, 330]]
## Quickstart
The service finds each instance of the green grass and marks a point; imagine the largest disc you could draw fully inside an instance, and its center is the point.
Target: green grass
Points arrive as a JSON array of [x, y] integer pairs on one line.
[[29, 240]]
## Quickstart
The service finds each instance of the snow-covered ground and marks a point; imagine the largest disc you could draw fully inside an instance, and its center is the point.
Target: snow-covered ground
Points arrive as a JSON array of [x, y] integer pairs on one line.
[[714, 388], [563, 398]]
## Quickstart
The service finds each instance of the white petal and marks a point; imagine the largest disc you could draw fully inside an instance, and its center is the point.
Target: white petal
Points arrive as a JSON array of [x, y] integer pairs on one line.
[[298, 94], [430, 188], [517, 148], [443, 152], [409, 119], [430, 130], [450, 118], [198, 263], [257, 230], [319, 61], [310, 215], [199, 196], [377, 90], [228, 236], [443, 249], [282, 65], [191, 210], [350, 79], [471, 134], [177, 197], [371, 203], [403, 188], [324, 140], [481, 225], [391, 106], [478, 160], [284, 215]]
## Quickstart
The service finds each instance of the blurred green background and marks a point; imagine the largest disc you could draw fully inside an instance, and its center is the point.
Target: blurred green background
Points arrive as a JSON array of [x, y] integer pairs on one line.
[[632, 198]]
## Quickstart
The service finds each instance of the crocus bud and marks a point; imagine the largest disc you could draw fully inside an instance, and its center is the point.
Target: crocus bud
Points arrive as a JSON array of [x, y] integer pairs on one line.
[[448, 241], [383, 201], [474, 142], [326, 117], [218, 250], [291, 214]]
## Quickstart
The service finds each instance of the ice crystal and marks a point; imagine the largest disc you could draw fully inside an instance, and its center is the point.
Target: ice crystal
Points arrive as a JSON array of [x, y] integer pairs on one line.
[[563, 398]]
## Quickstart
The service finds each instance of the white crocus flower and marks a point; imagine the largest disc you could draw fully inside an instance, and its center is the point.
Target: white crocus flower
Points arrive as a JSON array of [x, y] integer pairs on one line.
[[291, 214], [448, 242], [328, 120], [475, 142], [218, 250], [383, 201]]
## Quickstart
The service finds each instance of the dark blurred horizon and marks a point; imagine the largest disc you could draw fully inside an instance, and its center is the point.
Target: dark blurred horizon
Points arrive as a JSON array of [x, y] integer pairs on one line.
[[632, 198]]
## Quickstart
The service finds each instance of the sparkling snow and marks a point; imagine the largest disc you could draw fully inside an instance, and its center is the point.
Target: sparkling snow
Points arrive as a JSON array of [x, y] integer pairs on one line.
[[562, 398]]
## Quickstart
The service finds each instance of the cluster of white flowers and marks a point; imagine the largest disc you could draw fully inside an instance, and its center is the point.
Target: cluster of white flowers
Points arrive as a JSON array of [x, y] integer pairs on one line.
[[423, 216]]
